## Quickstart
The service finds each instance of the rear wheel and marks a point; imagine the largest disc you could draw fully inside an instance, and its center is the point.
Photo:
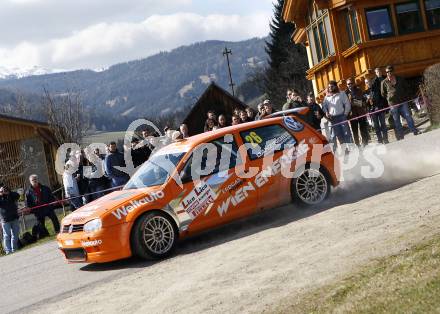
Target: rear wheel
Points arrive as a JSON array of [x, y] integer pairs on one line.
[[311, 186], [154, 236]]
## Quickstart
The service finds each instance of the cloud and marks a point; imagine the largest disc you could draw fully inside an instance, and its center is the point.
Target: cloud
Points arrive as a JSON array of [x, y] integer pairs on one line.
[[103, 44]]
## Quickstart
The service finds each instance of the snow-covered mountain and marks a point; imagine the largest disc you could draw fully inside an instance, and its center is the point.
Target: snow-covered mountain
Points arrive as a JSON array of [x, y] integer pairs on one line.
[[15, 73]]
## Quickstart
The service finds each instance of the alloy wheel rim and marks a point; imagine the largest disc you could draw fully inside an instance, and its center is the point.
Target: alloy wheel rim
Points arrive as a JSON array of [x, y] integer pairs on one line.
[[311, 186], [158, 235]]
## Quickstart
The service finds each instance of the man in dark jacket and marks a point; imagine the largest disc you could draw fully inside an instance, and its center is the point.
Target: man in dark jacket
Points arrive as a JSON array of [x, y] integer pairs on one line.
[[395, 90], [375, 102], [358, 109], [9, 219], [315, 112], [39, 194], [112, 160]]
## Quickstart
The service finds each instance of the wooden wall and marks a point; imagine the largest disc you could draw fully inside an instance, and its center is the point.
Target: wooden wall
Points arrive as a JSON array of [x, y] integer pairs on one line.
[[10, 131]]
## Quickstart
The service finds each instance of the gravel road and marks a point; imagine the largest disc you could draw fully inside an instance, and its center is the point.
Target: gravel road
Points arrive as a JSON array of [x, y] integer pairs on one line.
[[251, 265]]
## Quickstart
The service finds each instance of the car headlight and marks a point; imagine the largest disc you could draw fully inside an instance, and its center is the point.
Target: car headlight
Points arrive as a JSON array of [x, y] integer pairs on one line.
[[93, 225]]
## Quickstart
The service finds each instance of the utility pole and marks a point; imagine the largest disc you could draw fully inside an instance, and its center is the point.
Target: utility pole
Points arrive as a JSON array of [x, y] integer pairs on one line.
[[226, 53]]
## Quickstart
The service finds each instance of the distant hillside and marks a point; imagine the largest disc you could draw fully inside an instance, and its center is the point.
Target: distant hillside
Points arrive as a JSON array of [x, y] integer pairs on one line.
[[164, 83]]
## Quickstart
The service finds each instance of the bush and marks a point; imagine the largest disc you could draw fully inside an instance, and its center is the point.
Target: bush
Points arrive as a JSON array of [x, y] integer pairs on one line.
[[432, 90]]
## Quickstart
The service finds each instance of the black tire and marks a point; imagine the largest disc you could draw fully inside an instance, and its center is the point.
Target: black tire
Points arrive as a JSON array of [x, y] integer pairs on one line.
[[311, 186], [154, 236]]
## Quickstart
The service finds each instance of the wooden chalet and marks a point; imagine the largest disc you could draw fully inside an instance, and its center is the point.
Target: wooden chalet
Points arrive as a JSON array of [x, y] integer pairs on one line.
[[350, 38], [214, 98], [26, 147]]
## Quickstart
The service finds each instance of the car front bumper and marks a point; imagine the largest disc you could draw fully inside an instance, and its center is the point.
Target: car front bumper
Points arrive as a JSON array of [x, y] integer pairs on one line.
[[108, 244]]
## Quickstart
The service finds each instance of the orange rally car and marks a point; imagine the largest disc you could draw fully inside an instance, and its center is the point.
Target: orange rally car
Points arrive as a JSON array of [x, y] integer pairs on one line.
[[200, 183]]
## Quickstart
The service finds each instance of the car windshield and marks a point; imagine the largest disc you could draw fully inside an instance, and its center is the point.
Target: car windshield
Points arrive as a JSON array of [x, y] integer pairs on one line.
[[155, 171]]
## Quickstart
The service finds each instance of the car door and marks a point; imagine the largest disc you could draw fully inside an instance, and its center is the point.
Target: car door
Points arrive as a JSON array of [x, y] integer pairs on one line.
[[265, 146], [212, 199]]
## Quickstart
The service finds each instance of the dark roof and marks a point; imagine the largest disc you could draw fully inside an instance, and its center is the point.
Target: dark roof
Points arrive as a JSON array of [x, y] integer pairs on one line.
[[213, 98], [22, 121]]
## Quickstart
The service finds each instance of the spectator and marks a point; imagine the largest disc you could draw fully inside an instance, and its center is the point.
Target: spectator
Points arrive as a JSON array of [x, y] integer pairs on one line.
[[315, 112], [112, 160], [394, 90], [244, 117], [98, 182], [176, 136], [375, 102], [211, 116], [9, 219], [260, 108], [222, 121], [71, 185], [336, 107], [236, 111], [137, 156], [294, 100], [359, 111], [210, 123], [251, 113], [235, 120], [79, 161], [184, 130], [41, 195], [267, 105]]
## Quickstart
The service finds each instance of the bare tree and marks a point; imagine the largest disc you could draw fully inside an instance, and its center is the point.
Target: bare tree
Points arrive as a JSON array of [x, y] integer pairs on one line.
[[66, 116]]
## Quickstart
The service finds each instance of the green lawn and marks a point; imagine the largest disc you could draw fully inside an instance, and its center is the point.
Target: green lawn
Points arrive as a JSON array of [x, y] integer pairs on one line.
[[408, 282]]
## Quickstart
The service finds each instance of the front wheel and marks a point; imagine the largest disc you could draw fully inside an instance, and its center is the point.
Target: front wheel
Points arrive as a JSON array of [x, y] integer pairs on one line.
[[311, 187], [154, 236]]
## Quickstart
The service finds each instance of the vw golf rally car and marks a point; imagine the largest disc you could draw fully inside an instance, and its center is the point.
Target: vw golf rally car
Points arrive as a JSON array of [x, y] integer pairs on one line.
[[201, 183]]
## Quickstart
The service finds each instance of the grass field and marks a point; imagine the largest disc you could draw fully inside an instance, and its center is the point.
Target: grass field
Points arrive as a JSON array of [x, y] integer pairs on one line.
[[408, 282]]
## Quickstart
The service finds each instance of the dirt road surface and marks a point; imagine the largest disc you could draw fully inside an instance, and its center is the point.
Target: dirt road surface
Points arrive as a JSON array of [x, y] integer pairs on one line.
[[248, 266]]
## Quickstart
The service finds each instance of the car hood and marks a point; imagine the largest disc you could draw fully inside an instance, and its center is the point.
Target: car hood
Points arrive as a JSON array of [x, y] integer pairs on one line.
[[106, 204]]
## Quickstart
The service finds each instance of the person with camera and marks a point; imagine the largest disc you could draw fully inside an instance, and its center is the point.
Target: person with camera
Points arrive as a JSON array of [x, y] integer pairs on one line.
[[294, 100], [9, 219]]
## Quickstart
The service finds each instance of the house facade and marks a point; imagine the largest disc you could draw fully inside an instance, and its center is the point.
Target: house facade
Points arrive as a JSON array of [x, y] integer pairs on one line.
[[350, 38], [26, 147]]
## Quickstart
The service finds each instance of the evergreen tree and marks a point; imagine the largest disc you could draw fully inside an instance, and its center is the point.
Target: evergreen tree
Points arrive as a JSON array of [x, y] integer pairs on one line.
[[287, 61]]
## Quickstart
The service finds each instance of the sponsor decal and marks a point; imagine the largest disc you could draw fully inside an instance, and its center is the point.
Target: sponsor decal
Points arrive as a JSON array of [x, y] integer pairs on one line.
[[91, 243], [283, 140], [198, 199], [233, 186], [123, 211], [262, 178], [292, 124]]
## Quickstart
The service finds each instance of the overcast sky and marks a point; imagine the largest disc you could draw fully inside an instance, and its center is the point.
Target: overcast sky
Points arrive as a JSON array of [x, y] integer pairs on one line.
[[73, 34]]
